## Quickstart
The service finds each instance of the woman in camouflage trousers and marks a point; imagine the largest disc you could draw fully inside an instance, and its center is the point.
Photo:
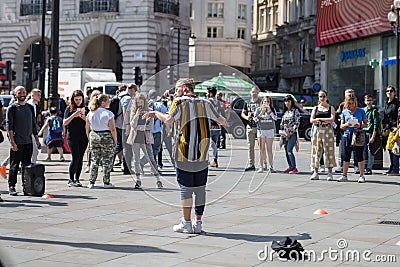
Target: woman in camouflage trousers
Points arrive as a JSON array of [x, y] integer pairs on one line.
[[102, 138]]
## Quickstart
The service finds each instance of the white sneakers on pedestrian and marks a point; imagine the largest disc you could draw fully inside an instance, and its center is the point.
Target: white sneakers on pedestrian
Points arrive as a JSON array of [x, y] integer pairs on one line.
[[188, 227], [109, 185], [90, 186], [330, 177], [314, 176], [197, 227], [183, 227], [361, 179], [260, 170], [343, 179]]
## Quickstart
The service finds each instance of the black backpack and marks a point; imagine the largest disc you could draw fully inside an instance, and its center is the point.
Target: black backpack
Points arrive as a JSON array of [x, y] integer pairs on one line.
[[115, 104], [288, 248]]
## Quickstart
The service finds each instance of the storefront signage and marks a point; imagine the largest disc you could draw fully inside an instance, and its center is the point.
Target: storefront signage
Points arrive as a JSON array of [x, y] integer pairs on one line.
[[389, 61], [351, 54], [342, 20]]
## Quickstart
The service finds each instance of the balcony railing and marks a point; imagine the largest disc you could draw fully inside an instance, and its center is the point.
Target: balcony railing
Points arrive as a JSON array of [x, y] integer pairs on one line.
[[33, 8], [167, 7], [87, 6]]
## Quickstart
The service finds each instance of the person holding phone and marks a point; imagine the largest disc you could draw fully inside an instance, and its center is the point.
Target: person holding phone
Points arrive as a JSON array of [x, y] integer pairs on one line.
[[75, 125], [141, 138]]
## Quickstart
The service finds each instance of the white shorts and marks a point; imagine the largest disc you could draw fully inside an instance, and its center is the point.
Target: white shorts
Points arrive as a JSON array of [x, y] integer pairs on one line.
[[266, 133]]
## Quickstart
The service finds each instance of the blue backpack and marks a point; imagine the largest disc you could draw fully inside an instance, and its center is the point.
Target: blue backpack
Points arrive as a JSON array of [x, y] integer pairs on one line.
[[56, 125]]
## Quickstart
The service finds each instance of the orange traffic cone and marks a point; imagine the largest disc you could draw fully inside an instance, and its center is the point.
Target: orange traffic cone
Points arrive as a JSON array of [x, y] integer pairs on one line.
[[3, 172], [320, 211], [47, 196]]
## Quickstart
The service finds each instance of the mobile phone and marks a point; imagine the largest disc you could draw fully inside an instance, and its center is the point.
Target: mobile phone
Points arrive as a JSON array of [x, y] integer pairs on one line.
[[78, 109]]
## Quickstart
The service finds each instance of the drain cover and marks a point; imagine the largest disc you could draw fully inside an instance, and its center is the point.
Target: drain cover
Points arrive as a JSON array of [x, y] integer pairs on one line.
[[390, 222]]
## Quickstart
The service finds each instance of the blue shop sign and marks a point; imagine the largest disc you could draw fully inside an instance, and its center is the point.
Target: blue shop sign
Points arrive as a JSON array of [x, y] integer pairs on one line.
[[389, 61], [351, 54]]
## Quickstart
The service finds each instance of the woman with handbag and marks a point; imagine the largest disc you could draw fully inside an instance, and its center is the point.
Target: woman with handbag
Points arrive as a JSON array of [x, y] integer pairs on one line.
[[389, 128], [353, 120], [289, 135]]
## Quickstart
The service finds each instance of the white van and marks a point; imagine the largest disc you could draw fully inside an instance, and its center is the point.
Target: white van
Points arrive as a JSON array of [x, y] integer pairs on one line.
[[108, 88]]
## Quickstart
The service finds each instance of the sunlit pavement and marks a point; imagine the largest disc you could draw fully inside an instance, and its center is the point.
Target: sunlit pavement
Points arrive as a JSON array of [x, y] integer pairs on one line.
[[246, 211]]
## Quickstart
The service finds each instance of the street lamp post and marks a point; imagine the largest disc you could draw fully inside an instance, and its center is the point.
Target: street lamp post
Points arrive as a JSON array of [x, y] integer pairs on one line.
[[179, 40], [42, 49], [54, 100], [394, 19]]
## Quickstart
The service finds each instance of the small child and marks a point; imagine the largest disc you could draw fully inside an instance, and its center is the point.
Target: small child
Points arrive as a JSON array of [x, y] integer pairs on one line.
[[54, 135]]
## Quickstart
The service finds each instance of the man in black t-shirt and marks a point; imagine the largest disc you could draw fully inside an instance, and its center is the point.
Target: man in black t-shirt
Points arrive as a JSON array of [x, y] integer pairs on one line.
[[248, 114], [21, 123]]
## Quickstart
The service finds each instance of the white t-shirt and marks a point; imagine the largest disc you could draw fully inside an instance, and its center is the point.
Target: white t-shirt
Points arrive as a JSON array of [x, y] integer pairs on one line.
[[99, 119]]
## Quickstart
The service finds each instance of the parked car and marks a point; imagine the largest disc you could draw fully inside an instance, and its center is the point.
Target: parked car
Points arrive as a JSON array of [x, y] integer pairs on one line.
[[238, 125]]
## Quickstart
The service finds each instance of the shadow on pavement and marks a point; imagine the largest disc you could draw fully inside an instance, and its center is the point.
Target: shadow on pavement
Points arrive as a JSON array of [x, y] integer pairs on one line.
[[104, 247], [257, 238], [31, 203], [382, 182], [74, 197]]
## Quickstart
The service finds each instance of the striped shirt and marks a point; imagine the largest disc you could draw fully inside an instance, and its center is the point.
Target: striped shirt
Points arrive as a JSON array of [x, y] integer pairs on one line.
[[192, 132]]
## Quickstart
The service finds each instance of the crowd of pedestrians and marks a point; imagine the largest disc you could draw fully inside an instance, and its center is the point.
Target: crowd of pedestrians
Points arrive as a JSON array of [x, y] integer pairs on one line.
[[134, 130]]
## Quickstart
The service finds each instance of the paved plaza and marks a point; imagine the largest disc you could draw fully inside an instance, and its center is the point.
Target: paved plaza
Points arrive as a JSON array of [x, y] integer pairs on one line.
[[245, 213]]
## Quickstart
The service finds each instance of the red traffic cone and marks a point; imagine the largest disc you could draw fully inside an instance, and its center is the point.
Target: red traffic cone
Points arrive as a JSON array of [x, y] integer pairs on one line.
[[320, 211], [3, 172]]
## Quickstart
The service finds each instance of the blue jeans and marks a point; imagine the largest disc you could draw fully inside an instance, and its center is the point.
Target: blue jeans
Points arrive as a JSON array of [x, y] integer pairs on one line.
[[214, 140], [289, 145], [367, 152], [394, 162]]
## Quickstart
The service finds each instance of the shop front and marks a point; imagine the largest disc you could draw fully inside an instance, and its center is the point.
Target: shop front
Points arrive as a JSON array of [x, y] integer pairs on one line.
[[349, 66]]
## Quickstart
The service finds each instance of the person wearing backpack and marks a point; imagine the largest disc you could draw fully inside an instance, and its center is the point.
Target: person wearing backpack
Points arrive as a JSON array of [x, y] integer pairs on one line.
[[371, 132], [21, 125], [116, 109], [54, 135]]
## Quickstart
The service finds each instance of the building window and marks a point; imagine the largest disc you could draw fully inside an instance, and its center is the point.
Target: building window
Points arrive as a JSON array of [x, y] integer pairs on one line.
[[262, 19], [267, 57], [301, 8], [242, 12], [87, 6], [215, 10], [214, 32], [33, 7], [287, 11], [276, 17], [241, 33], [261, 58], [273, 53], [270, 18]]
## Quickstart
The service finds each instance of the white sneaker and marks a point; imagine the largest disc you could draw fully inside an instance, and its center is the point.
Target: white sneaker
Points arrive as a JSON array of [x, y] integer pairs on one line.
[[260, 170], [183, 227], [90, 186], [361, 179], [197, 227], [314, 176], [342, 179], [321, 168], [330, 177], [109, 185]]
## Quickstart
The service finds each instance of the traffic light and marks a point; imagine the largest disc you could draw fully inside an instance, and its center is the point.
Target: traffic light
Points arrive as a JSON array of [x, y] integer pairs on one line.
[[13, 75], [27, 65], [170, 74], [8, 70], [138, 76]]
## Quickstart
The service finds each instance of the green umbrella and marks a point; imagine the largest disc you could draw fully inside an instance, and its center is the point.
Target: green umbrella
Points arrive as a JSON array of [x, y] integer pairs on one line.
[[226, 83]]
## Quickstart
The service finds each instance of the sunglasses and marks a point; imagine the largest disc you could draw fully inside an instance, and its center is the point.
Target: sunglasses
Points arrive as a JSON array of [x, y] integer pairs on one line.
[[389, 91], [322, 96], [368, 100]]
